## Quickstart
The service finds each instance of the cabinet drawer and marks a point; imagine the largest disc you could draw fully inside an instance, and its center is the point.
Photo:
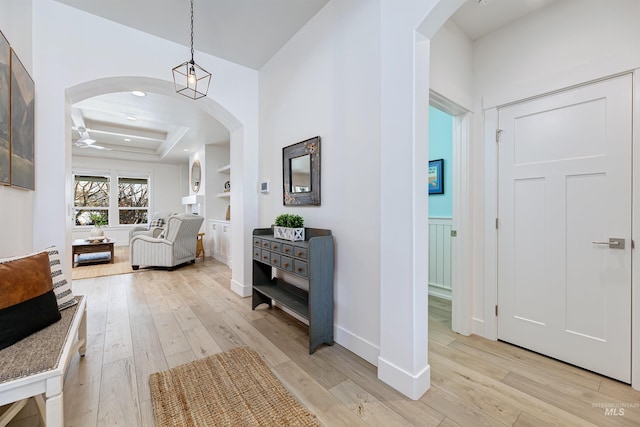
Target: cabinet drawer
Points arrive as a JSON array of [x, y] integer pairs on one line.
[[299, 252], [264, 243], [266, 257], [275, 259], [286, 263], [256, 242], [275, 246], [300, 267], [287, 249], [257, 253]]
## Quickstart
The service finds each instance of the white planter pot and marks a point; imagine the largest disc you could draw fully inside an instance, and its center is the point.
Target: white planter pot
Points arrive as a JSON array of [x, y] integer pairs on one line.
[[96, 231], [292, 234]]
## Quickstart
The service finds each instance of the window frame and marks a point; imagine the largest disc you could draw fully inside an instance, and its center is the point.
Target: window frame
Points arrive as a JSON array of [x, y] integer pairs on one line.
[[113, 209]]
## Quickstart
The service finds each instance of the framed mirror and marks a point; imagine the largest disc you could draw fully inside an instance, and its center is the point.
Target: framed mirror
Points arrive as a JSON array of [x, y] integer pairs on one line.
[[196, 176], [301, 173]]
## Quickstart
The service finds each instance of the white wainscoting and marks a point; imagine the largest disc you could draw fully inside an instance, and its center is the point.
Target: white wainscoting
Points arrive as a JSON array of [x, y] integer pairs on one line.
[[440, 257]]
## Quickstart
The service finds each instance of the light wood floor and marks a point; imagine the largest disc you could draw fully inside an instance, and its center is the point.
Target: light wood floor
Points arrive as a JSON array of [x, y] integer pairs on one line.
[[153, 320]]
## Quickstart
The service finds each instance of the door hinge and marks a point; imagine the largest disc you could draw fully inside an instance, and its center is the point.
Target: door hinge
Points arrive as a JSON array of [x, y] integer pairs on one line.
[[454, 233], [496, 310], [633, 244], [496, 223], [498, 132]]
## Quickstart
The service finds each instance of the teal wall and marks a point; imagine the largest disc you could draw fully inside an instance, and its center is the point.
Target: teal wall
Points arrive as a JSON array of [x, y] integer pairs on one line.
[[440, 147]]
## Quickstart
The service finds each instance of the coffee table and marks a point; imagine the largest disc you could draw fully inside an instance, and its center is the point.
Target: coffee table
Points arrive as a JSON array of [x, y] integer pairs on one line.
[[82, 246]]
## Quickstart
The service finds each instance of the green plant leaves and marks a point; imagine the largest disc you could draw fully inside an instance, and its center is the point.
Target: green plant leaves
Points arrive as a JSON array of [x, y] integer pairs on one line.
[[289, 220]]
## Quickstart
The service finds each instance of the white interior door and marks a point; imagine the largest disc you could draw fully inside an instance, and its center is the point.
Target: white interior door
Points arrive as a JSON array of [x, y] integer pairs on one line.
[[564, 191]]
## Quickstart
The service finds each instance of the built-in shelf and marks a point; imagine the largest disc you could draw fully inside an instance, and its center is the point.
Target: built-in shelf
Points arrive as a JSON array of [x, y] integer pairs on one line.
[[225, 169], [225, 194]]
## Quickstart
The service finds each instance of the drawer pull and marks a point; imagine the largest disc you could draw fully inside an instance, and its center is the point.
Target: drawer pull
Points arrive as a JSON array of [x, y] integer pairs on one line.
[[265, 257], [286, 264], [265, 244], [299, 253], [275, 261], [287, 250], [299, 269]]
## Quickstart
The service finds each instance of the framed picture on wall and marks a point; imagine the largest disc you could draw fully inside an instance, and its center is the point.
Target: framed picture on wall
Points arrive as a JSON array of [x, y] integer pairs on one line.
[[5, 152], [436, 176], [22, 125]]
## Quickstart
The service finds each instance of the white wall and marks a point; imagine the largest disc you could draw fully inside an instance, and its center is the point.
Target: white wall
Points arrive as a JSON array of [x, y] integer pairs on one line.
[[451, 71], [165, 184], [567, 43], [325, 82], [60, 63], [16, 206]]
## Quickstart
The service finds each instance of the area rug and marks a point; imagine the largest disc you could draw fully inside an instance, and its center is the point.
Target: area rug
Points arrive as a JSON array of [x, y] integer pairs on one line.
[[120, 265], [234, 388]]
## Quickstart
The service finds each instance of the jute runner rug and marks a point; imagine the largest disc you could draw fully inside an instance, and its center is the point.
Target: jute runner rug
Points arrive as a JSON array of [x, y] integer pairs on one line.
[[234, 388], [120, 265]]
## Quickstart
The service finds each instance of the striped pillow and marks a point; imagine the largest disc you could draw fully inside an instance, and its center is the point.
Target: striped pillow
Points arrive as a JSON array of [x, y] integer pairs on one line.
[[61, 287]]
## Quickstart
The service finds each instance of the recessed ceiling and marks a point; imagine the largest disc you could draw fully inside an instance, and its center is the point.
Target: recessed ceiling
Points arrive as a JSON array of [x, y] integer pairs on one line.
[[163, 128]]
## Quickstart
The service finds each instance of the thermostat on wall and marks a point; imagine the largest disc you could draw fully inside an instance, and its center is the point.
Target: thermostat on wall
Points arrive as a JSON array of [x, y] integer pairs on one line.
[[264, 186]]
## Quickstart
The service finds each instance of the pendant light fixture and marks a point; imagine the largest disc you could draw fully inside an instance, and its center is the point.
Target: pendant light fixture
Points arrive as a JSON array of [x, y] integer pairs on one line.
[[190, 79]]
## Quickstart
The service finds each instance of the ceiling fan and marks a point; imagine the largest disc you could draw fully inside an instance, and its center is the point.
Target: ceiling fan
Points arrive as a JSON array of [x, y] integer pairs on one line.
[[86, 141]]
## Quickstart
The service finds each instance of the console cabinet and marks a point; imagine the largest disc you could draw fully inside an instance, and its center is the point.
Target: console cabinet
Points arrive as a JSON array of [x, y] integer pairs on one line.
[[311, 260]]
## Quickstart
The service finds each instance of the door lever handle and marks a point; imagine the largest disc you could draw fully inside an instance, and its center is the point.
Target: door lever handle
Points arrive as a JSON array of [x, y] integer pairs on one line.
[[613, 243]]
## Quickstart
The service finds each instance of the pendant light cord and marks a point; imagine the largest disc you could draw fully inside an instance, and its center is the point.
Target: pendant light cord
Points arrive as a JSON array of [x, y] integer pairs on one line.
[[192, 61]]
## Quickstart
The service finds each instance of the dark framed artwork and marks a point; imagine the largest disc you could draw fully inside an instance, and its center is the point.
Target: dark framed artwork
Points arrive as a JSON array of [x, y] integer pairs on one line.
[[436, 176], [301, 173], [5, 149], [22, 125]]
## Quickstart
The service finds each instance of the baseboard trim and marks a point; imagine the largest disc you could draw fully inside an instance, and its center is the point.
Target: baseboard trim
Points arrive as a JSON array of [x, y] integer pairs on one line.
[[412, 386], [223, 259], [240, 289], [477, 327], [439, 291], [358, 345]]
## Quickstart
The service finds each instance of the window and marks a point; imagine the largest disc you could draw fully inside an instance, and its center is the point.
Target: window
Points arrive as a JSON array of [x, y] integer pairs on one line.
[[121, 199], [91, 196], [133, 200]]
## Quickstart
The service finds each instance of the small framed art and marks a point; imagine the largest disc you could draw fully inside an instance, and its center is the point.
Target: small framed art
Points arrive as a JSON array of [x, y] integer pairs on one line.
[[436, 176]]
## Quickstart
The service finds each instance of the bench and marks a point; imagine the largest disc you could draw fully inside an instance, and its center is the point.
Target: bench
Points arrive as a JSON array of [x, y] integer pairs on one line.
[[35, 366]]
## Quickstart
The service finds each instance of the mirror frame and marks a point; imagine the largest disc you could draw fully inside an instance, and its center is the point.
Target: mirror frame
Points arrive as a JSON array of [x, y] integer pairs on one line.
[[310, 146], [196, 187]]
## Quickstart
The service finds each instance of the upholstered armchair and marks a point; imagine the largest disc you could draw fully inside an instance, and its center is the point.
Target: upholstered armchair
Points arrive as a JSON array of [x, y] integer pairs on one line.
[[155, 227], [177, 246]]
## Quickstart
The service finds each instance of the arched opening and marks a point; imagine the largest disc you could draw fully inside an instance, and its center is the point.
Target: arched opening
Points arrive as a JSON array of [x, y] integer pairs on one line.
[[210, 107]]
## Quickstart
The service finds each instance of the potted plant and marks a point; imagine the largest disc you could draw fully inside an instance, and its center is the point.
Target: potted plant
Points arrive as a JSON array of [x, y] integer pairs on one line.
[[289, 227], [98, 219]]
